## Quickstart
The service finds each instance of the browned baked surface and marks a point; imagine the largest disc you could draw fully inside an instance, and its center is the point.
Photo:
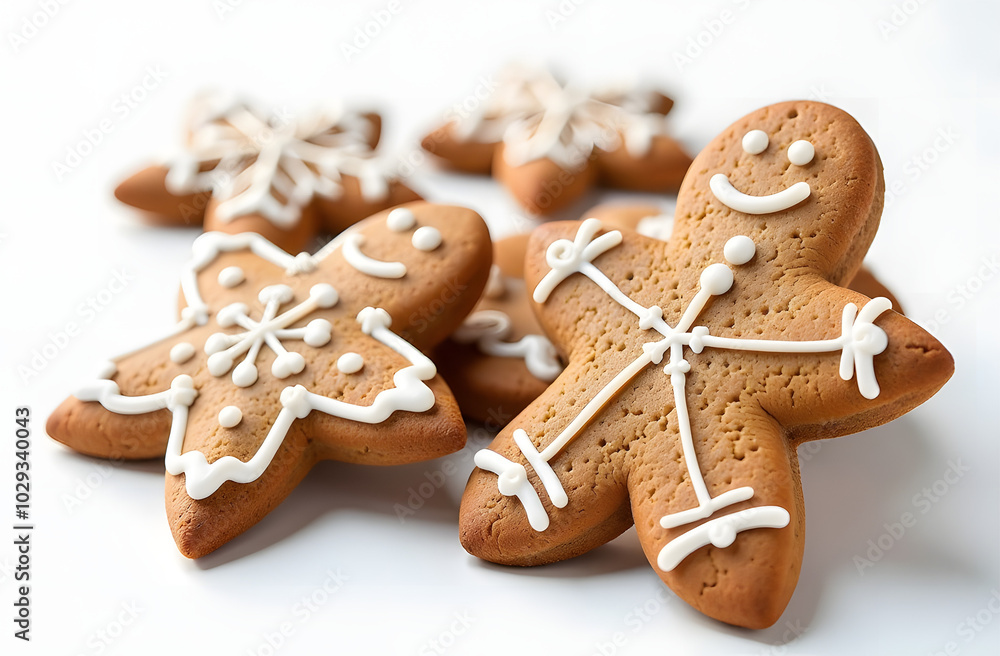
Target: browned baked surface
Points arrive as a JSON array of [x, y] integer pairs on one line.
[[439, 288], [748, 411]]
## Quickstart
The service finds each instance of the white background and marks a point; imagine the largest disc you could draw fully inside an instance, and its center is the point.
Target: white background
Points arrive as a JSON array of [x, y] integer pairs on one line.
[[102, 542]]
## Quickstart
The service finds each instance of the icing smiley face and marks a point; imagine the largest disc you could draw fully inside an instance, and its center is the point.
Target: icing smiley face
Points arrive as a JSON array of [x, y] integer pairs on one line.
[[799, 163], [755, 142]]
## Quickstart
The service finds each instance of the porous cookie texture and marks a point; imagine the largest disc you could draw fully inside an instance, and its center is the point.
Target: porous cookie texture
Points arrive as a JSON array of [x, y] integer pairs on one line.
[[691, 379], [499, 360], [654, 221], [288, 178], [548, 143], [294, 360]]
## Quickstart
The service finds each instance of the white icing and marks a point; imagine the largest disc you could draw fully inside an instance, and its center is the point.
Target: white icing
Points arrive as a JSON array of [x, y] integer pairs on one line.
[[182, 352], [231, 276], [426, 238], [536, 117], [270, 329], [202, 478], [735, 199], [496, 286], [350, 248], [400, 220], [512, 481], [739, 250], [657, 227], [801, 153], [720, 532], [208, 246], [755, 142], [859, 342], [274, 166], [489, 329], [230, 416], [350, 363]]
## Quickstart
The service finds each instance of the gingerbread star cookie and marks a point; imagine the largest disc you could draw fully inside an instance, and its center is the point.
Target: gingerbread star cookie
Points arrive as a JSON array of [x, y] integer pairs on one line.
[[279, 361], [287, 178], [499, 360], [697, 366], [654, 221], [548, 142]]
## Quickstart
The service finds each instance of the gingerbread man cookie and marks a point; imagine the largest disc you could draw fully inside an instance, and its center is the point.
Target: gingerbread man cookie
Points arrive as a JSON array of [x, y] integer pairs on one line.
[[279, 361], [499, 360], [286, 178], [548, 142], [653, 221], [697, 366]]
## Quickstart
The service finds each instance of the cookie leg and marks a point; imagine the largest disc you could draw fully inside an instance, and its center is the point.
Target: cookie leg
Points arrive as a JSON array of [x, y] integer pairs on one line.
[[542, 186], [200, 526], [660, 168], [723, 525], [523, 506]]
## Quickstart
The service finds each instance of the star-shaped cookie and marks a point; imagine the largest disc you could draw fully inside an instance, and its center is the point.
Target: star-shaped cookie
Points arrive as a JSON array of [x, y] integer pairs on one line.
[[697, 366], [279, 361], [287, 178], [548, 142]]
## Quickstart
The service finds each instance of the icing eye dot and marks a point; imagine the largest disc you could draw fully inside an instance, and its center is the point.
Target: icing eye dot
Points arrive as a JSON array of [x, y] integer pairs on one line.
[[181, 352], [426, 238], [755, 142], [350, 363], [230, 416], [231, 276], [801, 153], [400, 220], [739, 250]]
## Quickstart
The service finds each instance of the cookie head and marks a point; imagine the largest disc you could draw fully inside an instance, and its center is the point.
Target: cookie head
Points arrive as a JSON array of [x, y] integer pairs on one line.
[[806, 165]]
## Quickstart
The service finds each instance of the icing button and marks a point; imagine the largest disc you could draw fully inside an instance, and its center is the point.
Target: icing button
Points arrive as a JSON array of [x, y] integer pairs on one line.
[[230, 416]]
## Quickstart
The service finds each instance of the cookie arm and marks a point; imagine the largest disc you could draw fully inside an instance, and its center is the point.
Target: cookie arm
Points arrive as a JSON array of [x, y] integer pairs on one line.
[[910, 369], [147, 190], [91, 429]]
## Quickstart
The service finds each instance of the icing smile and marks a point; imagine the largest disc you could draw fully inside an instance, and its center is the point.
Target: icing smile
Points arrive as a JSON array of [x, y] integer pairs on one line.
[[735, 199], [351, 249]]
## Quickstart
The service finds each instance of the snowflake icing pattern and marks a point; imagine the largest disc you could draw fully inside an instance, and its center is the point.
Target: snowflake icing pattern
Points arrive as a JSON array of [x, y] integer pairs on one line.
[[203, 478], [273, 166]]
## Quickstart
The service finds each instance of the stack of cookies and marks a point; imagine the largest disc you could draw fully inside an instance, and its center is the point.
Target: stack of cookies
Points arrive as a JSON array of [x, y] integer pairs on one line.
[[652, 369]]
